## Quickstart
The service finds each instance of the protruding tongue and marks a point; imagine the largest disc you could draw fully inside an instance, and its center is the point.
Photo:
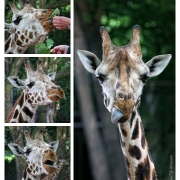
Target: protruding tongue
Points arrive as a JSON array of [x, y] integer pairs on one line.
[[116, 115]]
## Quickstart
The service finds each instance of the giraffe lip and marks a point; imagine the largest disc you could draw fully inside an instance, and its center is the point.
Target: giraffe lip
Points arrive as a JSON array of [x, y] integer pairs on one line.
[[54, 97], [116, 115]]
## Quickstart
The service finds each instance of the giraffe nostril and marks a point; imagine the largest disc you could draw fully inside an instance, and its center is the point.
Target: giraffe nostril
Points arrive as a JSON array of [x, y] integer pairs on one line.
[[121, 95], [129, 96]]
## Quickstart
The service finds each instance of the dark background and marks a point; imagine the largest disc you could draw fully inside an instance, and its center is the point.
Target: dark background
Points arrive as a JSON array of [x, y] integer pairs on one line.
[[97, 151]]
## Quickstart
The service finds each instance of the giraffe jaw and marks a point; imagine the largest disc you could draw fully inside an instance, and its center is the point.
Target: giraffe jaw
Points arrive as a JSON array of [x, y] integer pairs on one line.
[[50, 166]]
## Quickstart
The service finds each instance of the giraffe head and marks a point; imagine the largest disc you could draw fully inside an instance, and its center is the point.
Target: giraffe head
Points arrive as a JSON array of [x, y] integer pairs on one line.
[[41, 157], [38, 88], [122, 73], [29, 26]]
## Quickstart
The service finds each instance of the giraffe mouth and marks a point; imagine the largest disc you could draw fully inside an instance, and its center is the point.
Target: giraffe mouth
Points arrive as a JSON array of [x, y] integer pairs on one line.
[[56, 94], [50, 163], [116, 115], [122, 110], [50, 166]]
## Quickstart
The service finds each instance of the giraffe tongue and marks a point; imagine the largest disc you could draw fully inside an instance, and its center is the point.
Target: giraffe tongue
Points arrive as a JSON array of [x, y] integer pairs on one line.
[[116, 115]]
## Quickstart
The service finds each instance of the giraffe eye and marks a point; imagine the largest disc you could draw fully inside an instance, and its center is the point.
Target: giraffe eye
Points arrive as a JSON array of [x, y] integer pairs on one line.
[[144, 78], [101, 78], [30, 85], [17, 21], [27, 152]]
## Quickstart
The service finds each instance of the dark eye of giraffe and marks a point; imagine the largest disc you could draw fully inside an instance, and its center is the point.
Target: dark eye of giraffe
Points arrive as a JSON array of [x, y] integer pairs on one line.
[[30, 85], [27, 152], [101, 78], [144, 78], [17, 21]]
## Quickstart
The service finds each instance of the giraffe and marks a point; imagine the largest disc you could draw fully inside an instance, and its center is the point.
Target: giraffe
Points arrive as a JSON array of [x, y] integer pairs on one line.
[[38, 89], [122, 75], [40, 157], [29, 26]]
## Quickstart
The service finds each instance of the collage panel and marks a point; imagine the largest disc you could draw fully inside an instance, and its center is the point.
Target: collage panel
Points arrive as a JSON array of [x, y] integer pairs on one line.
[[37, 90], [125, 63], [33, 152], [37, 27]]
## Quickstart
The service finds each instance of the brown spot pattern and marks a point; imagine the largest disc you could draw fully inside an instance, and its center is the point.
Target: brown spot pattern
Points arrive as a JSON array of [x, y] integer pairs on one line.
[[22, 37], [132, 117], [135, 133], [143, 139], [30, 35], [15, 114], [143, 170], [21, 120], [26, 31], [124, 132], [19, 43], [134, 152], [27, 112]]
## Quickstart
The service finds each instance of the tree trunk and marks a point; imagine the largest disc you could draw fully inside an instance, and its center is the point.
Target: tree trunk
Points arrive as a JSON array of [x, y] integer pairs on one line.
[[96, 152], [17, 134]]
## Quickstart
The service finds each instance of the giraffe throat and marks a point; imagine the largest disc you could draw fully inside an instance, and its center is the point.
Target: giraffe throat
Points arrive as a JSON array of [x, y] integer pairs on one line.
[[23, 111], [138, 161]]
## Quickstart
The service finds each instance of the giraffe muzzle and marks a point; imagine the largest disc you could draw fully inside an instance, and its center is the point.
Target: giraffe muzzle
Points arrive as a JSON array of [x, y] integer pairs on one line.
[[122, 110]]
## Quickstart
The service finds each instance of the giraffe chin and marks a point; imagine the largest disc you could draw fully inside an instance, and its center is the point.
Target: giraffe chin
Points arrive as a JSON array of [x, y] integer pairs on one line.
[[50, 169], [118, 116]]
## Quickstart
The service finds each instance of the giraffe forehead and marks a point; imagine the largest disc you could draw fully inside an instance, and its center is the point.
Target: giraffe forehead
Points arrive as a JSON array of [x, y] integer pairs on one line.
[[37, 144], [121, 67]]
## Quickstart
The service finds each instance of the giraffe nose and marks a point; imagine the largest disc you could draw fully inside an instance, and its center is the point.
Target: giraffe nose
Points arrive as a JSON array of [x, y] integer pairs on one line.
[[124, 96]]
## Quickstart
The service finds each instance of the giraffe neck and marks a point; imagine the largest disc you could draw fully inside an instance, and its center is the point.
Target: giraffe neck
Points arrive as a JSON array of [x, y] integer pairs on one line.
[[138, 161], [22, 112], [28, 176], [12, 47]]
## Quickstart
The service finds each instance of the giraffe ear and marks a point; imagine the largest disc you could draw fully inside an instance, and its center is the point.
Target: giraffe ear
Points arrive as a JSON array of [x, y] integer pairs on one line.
[[16, 149], [52, 76], [16, 82], [157, 64], [54, 145], [89, 60]]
